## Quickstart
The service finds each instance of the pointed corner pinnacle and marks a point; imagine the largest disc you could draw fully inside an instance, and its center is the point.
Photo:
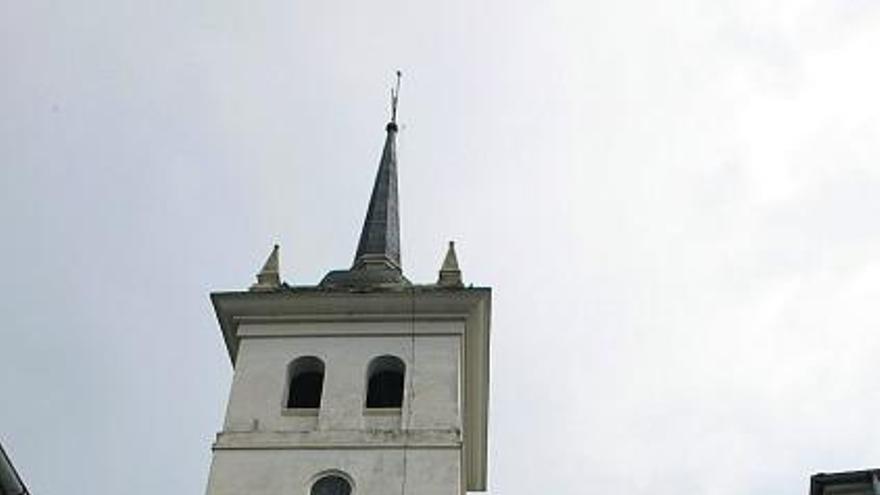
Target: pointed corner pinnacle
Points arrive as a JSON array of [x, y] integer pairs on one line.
[[450, 262], [268, 279], [450, 274]]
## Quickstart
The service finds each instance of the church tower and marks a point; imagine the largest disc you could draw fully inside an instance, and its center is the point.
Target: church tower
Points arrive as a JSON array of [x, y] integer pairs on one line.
[[364, 384]]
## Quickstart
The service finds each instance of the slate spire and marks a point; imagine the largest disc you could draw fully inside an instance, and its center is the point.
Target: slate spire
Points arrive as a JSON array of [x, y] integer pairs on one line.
[[379, 245]]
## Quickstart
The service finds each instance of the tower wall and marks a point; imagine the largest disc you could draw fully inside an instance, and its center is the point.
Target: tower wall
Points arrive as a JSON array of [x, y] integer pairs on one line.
[[430, 471], [266, 448]]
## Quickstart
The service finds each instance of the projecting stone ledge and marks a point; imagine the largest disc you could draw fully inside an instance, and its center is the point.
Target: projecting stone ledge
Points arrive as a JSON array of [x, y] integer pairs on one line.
[[339, 439]]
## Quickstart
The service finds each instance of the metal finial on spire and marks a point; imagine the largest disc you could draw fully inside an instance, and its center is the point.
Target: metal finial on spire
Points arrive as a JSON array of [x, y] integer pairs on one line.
[[395, 93]]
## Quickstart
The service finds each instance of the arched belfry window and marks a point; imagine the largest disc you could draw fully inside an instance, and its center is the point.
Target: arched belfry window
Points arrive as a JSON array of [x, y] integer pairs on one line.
[[385, 382], [331, 485], [306, 382]]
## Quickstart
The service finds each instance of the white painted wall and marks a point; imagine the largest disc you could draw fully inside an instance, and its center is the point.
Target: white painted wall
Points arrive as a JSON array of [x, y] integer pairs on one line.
[[266, 450], [379, 471]]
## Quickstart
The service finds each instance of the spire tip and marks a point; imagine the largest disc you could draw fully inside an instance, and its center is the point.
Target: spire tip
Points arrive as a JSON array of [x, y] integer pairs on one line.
[[395, 94]]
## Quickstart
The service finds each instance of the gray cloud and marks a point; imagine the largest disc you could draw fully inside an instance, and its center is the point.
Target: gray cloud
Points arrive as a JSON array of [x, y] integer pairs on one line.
[[673, 202]]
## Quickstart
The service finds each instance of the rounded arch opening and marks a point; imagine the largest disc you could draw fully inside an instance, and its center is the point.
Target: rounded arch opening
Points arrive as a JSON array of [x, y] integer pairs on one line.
[[385, 376], [306, 379], [331, 484]]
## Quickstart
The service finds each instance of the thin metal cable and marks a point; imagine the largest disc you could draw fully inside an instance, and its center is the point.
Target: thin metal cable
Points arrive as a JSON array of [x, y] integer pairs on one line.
[[410, 388]]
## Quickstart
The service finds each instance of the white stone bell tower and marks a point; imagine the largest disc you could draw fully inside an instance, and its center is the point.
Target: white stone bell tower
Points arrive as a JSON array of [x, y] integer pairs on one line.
[[365, 384]]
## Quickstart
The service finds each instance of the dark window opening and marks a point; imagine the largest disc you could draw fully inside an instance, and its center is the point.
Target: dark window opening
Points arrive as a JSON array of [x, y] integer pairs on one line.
[[331, 485], [385, 385], [306, 383]]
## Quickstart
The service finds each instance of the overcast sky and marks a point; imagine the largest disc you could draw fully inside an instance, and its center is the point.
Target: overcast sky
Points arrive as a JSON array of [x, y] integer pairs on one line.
[[675, 202]]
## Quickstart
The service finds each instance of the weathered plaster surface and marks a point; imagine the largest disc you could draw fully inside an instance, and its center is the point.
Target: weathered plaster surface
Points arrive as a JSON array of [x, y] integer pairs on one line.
[[266, 449], [380, 471]]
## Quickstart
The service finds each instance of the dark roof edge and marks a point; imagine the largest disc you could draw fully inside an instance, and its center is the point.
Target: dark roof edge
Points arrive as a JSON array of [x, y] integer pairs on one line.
[[10, 481], [819, 480]]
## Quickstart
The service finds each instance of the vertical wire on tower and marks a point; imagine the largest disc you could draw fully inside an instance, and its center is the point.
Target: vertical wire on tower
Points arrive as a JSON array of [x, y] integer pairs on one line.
[[409, 384]]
